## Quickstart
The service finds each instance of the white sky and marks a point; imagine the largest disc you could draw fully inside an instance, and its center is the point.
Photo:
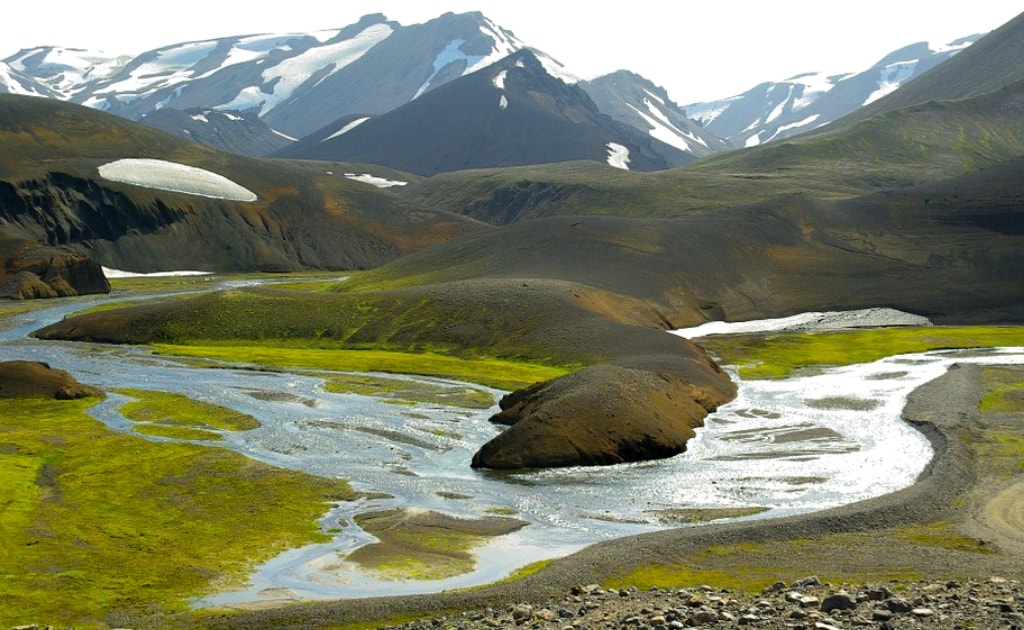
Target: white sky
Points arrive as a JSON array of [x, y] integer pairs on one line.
[[696, 50]]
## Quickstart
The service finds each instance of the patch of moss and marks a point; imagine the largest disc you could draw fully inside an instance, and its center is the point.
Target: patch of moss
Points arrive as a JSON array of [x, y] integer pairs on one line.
[[498, 373], [176, 432], [417, 545], [98, 523], [1001, 452], [941, 534], [1004, 390], [165, 408], [779, 355]]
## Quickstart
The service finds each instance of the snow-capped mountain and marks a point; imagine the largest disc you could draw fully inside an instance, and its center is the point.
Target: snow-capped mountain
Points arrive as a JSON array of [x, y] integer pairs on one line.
[[776, 110], [633, 100], [514, 112], [295, 82], [14, 82], [64, 72]]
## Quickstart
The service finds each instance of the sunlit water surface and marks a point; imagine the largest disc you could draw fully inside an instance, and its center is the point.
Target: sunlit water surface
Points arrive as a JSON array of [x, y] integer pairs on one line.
[[790, 446]]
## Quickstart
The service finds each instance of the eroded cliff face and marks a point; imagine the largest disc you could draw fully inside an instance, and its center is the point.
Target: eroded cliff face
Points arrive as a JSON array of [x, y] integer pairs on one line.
[[29, 270]]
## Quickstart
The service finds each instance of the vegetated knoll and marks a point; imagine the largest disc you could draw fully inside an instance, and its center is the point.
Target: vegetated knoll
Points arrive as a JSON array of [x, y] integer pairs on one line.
[[915, 145], [31, 270], [51, 192], [32, 379]]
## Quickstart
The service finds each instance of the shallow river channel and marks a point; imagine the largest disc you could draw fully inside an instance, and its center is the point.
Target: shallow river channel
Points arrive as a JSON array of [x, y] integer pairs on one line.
[[790, 446]]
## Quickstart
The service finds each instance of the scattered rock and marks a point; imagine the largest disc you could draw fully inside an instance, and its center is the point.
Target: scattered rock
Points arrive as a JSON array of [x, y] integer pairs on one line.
[[952, 605], [839, 601]]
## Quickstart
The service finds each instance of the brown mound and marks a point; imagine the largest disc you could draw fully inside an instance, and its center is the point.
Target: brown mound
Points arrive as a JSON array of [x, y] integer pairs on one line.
[[596, 416], [31, 379]]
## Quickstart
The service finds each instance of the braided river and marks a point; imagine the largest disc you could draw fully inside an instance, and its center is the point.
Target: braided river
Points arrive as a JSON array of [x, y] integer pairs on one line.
[[790, 446]]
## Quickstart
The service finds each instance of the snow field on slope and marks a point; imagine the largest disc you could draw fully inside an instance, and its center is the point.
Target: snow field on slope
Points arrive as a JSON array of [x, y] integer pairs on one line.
[[618, 156], [174, 177]]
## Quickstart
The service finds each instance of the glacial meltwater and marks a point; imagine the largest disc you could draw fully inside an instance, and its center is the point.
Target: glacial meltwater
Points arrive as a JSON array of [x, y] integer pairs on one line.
[[796, 445]]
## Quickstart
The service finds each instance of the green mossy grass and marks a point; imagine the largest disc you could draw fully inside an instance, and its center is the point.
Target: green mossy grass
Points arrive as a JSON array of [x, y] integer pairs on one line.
[[411, 547], [492, 372], [177, 433], [1004, 390], [779, 355], [166, 408], [98, 525]]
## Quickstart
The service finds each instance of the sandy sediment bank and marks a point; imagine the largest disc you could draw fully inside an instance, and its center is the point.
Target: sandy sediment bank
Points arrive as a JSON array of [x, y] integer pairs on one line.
[[945, 410]]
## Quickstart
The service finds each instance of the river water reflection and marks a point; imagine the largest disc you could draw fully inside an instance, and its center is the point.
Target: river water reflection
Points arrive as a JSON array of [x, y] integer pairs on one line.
[[789, 446]]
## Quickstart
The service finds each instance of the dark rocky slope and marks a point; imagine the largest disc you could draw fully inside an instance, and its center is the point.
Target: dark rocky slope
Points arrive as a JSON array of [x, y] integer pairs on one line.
[[305, 216], [38, 271], [510, 113]]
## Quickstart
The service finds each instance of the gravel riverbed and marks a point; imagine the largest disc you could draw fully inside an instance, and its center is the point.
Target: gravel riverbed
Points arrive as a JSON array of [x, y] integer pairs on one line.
[[804, 604]]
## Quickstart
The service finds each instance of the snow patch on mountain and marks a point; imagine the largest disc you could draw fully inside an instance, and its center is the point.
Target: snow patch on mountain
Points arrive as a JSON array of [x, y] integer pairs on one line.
[[169, 67], [891, 77], [618, 156], [660, 100], [66, 70], [504, 45], [795, 125], [662, 129], [281, 80], [556, 69], [707, 114], [347, 128], [175, 177], [373, 180], [503, 103], [499, 79], [13, 84]]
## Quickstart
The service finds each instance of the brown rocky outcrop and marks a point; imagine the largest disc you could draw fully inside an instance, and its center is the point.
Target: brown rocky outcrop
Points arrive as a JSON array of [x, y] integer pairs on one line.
[[30, 270], [599, 415], [33, 379]]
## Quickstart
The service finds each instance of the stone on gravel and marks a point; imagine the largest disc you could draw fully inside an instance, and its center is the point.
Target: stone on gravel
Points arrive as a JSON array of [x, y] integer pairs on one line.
[[838, 601]]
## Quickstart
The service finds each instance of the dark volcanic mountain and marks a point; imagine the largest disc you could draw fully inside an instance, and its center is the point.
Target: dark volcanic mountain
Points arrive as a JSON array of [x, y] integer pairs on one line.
[[633, 100], [513, 112], [65, 180], [234, 132]]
